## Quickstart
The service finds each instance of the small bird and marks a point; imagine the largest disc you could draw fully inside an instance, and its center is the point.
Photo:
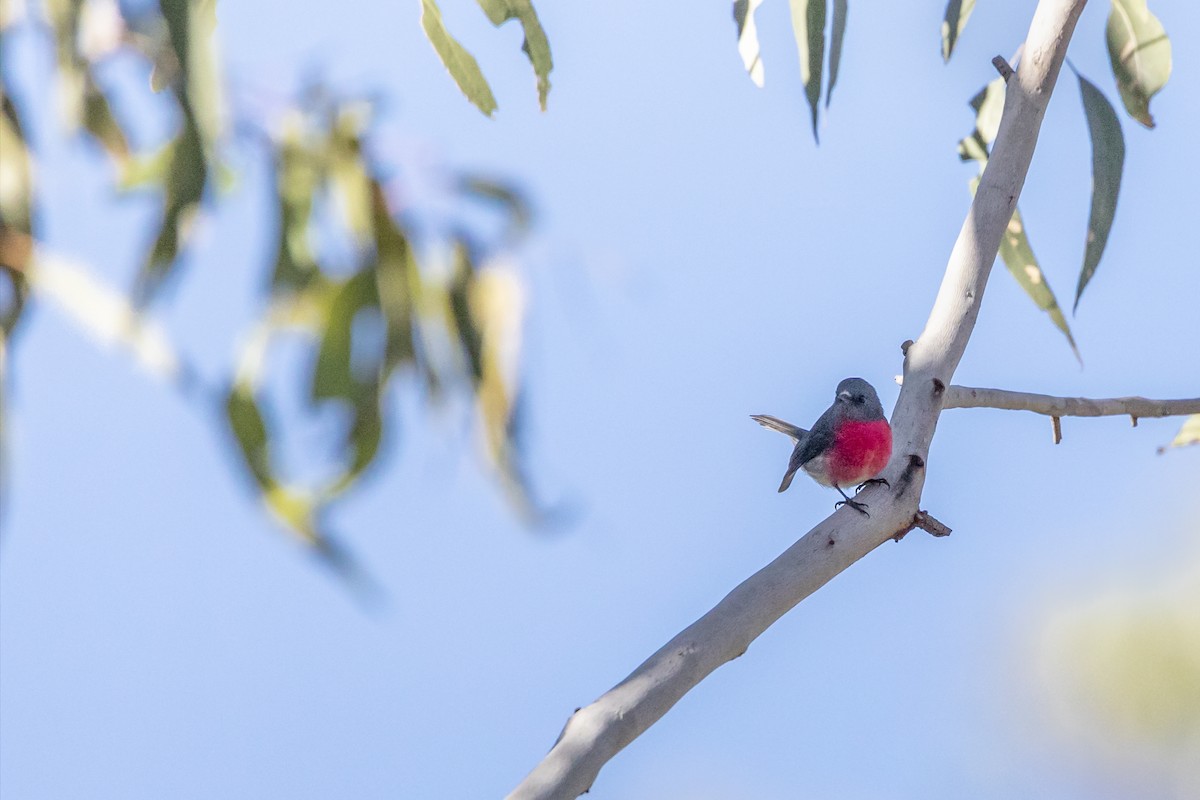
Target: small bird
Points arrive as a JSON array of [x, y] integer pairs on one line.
[[848, 445]]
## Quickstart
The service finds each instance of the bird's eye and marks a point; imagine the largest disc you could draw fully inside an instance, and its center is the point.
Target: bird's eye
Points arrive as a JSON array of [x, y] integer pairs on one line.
[[860, 398]]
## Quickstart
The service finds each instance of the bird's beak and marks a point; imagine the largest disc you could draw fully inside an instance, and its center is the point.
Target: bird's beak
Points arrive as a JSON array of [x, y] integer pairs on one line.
[[844, 396]]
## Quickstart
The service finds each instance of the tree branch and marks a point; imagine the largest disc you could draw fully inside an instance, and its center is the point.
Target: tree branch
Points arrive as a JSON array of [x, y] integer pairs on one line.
[[594, 734], [1135, 407]]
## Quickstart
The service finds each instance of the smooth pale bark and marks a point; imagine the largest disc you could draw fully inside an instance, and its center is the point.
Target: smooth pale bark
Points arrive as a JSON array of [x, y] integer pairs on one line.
[[1136, 407], [596, 733]]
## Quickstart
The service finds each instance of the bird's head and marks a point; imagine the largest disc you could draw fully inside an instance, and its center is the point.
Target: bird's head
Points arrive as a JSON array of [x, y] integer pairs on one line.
[[857, 400]]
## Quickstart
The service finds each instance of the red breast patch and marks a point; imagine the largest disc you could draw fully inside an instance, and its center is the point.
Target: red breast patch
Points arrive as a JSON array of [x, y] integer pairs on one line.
[[860, 452]]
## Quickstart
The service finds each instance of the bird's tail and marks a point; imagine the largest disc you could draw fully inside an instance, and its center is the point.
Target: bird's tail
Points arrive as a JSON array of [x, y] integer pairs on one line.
[[776, 424]]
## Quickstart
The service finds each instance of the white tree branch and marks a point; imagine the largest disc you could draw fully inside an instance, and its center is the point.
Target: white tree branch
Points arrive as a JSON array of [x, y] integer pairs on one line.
[[1136, 407], [594, 734]]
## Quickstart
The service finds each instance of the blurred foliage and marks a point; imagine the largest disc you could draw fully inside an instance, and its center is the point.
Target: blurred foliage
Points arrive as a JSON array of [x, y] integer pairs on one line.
[[1189, 434], [1122, 675], [436, 307], [1140, 53]]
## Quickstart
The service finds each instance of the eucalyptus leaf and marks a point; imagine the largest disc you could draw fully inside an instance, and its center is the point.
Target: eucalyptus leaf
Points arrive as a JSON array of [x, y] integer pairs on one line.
[[747, 33], [836, 34], [1188, 435], [1140, 53], [184, 191], [955, 20], [536, 45], [462, 65], [1108, 161], [808, 25]]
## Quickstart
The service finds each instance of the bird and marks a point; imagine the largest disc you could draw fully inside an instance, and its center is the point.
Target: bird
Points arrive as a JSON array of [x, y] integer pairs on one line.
[[849, 445]]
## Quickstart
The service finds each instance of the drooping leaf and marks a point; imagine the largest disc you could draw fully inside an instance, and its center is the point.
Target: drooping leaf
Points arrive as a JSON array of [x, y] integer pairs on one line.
[[191, 25], [501, 194], [250, 432], [298, 176], [836, 34], [397, 278], [536, 45], [1140, 53], [808, 25], [1189, 434], [1108, 161], [333, 375], [1015, 249], [955, 20], [348, 170], [747, 31], [16, 171], [99, 121], [184, 191], [1017, 255], [462, 65], [467, 329]]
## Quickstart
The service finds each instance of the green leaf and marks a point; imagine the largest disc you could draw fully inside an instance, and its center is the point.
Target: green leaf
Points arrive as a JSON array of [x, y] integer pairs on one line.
[[461, 64], [1189, 434], [505, 196], [536, 45], [1108, 160], [470, 337], [333, 375], [1018, 257], [808, 25], [989, 106], [836, 34], [99, 121], [1141, 56], [348, 170], [298, 176], [192, 26], [747, 31], [16, 188], [398, 280], [184, 191], [957, 14], [250, 433]]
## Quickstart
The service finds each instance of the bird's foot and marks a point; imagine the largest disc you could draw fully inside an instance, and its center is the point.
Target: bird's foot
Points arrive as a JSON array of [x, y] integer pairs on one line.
[[857, 506], [873, 482]]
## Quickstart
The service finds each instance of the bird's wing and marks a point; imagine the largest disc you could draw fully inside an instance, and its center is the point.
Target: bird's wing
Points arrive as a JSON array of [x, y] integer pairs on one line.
[[774, 423], [818, 440]]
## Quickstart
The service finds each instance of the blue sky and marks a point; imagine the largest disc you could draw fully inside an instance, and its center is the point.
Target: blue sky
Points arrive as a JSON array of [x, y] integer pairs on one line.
[[696, 259]]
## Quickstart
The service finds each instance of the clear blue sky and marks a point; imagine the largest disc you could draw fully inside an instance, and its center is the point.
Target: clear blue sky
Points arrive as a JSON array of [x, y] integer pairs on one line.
[[696, 259]]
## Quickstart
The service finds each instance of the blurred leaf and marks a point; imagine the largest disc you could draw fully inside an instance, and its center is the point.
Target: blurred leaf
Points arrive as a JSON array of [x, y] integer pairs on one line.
[[397, 278], [836, 34], [957, 14], [1108, 160], [191, 25], [747, 32], [508, 198], [461, 64], [104, 314], [99, 120], [348, 170], [148, 169], [298, 176], [536, 45], [184, 191], [808, 25], [333, 375], [1141, 56], [250, 431], [1189, 434], [16, 173], [470, 337]]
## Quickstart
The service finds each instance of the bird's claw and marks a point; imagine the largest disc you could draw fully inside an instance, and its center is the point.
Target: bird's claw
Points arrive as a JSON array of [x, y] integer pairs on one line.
[[873, 482], [857, 506]]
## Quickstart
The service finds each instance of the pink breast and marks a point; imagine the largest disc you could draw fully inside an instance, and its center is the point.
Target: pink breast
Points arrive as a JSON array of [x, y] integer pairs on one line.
[[860, 452]]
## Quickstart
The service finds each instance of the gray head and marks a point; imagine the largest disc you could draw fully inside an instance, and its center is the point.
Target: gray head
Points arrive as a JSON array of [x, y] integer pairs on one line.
[[856, 399]]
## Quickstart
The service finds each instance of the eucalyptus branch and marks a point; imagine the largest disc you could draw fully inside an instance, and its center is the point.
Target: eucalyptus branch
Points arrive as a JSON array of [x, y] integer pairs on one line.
[[1047, 405], [596, 733]]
